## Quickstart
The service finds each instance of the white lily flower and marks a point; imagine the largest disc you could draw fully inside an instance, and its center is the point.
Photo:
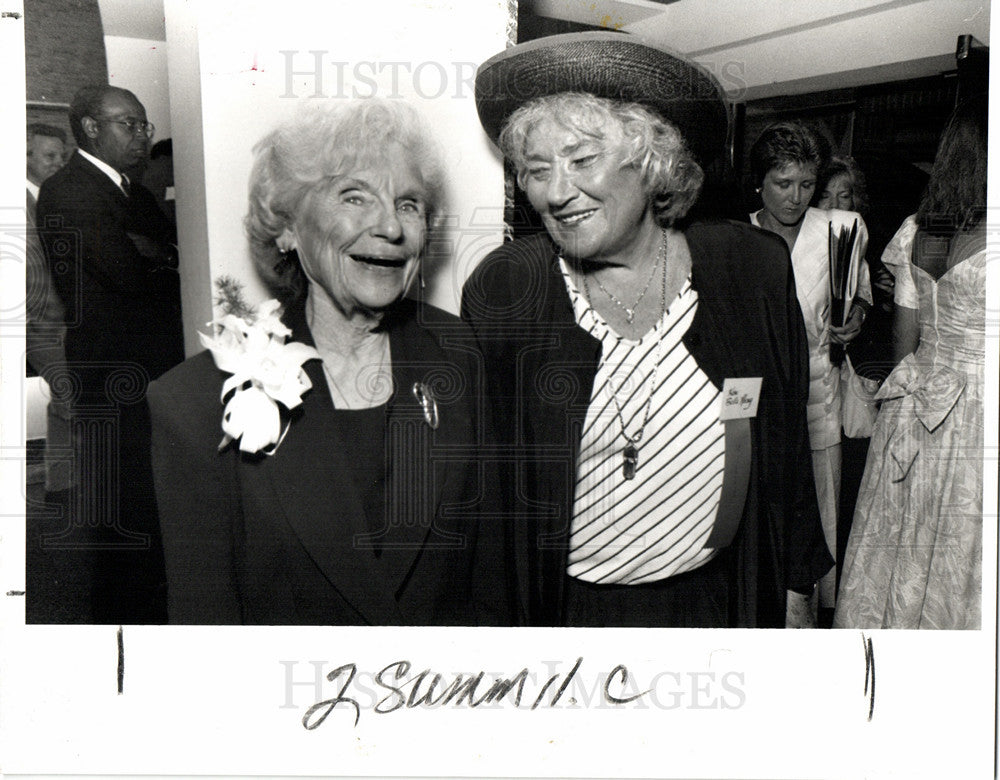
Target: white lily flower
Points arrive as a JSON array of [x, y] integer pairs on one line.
[[265, 372]]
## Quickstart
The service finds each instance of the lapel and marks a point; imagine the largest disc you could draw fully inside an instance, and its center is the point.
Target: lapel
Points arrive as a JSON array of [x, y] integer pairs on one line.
[[555, 381], [99, 183], [811, 266], [413, 492], [714, 346], [569, 351], [310, 477], [563, 358]]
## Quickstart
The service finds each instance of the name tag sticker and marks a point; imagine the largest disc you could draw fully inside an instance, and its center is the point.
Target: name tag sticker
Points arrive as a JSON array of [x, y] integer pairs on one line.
[[739, 397]]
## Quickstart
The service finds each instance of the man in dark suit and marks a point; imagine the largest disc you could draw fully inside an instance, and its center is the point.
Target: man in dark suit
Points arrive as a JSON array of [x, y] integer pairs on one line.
[[113, 262]]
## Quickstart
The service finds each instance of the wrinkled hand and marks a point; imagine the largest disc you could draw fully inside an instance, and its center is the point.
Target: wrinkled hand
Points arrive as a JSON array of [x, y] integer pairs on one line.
[[849, 331]]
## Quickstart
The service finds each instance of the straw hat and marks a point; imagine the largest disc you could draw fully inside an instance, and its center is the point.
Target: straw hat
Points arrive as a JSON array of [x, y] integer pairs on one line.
[[610, 65]]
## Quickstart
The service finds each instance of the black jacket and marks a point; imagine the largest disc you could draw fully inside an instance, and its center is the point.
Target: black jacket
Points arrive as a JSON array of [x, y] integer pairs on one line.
[[107, 254], [281, 539], [540, 369]]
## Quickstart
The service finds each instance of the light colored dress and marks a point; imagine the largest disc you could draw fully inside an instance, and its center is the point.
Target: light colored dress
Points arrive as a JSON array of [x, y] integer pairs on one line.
[[811, 266], [914, 559]]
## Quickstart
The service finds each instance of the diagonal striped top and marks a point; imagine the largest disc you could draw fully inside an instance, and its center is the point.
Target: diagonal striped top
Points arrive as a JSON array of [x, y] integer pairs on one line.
[[628, 532]]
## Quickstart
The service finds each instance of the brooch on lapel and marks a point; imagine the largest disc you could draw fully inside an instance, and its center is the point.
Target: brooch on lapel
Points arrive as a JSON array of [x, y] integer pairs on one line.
[[425, 397]]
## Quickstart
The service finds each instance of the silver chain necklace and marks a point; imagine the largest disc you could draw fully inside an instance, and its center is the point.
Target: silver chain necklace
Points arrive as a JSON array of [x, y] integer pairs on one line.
[[630, 312], [630, 455]]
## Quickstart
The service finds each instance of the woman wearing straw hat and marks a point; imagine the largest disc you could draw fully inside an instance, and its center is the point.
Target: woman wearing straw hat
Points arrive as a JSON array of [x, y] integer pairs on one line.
[[650, 375]]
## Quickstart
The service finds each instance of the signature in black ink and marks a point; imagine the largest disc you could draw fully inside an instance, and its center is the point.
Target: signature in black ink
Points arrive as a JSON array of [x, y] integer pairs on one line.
[[398, 689], [735, 399]]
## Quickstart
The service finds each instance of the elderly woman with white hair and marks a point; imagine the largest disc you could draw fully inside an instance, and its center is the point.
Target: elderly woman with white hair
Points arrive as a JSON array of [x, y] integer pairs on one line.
[[359, 503], [652, 372]]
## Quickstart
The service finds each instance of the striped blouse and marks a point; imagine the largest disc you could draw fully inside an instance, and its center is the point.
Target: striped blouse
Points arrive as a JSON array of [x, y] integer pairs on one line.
[[629, 532]]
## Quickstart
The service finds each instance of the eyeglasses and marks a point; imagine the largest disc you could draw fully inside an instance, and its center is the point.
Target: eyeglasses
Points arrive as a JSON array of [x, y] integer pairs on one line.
[[135, 126]]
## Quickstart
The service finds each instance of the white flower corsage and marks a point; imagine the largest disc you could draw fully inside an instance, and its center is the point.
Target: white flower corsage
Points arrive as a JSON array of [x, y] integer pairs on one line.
[[265, 370]]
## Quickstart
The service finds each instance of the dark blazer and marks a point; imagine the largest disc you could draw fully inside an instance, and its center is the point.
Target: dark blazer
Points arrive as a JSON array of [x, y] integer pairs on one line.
[[540, 368], [113, 268], [110, 258], [281, 539]]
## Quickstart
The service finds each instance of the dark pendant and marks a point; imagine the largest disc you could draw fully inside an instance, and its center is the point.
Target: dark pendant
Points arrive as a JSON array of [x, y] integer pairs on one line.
[[631, 461]]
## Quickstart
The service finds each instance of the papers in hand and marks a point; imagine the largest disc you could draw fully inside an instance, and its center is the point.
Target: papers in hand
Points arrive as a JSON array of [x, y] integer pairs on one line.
[[845, 262]]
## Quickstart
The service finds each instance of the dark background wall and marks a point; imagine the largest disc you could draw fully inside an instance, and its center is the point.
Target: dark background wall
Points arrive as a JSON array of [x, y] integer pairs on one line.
[[891, 130], [63, 51]]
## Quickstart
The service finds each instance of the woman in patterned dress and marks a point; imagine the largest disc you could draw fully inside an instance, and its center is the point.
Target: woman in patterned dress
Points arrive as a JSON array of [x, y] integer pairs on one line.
[[914, 558]]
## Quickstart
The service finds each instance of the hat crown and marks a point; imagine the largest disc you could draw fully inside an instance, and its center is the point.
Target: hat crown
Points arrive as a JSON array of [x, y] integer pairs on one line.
[[613, 65]]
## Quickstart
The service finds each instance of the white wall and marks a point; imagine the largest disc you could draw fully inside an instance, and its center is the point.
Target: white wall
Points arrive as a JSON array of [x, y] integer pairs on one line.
[[140, 65], [230, 83]]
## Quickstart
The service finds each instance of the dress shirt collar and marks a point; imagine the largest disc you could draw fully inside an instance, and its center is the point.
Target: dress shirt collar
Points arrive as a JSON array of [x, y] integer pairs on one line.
[[32, 188], [110, 172]]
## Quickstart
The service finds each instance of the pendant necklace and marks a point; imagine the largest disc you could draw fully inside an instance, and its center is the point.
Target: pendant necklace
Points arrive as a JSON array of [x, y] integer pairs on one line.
[[630, 312], [630, 454]]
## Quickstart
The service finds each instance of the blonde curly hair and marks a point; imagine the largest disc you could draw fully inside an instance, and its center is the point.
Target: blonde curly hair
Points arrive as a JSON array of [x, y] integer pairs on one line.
[[670, 174]]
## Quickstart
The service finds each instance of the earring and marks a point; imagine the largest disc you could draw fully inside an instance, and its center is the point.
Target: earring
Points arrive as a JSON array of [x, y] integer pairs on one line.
[[285, 242], [757, 190]]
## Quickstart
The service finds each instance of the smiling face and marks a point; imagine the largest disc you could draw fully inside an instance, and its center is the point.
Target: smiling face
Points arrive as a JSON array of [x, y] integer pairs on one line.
[[360, 235], [838, 193], [112, 142], [592, 205], [45, 157], [787, 190]]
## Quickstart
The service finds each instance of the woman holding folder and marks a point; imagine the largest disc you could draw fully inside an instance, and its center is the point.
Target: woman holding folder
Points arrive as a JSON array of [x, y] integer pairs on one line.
[[786, 161]]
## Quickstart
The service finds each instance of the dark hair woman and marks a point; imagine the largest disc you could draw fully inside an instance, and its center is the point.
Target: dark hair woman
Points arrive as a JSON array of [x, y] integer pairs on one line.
[[786, 160]]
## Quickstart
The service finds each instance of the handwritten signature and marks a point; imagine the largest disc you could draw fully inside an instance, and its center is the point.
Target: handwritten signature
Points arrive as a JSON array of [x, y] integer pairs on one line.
[[735, 398], [397, 687]]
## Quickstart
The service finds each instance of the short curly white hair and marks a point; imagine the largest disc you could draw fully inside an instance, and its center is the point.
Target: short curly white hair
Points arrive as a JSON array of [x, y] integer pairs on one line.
[[322, 142]]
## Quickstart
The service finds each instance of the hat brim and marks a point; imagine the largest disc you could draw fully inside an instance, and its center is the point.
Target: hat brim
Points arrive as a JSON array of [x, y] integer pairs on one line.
[[613, 65]]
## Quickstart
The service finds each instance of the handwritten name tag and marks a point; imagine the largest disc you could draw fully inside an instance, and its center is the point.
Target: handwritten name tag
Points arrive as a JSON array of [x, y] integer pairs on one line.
[[739, 397]]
